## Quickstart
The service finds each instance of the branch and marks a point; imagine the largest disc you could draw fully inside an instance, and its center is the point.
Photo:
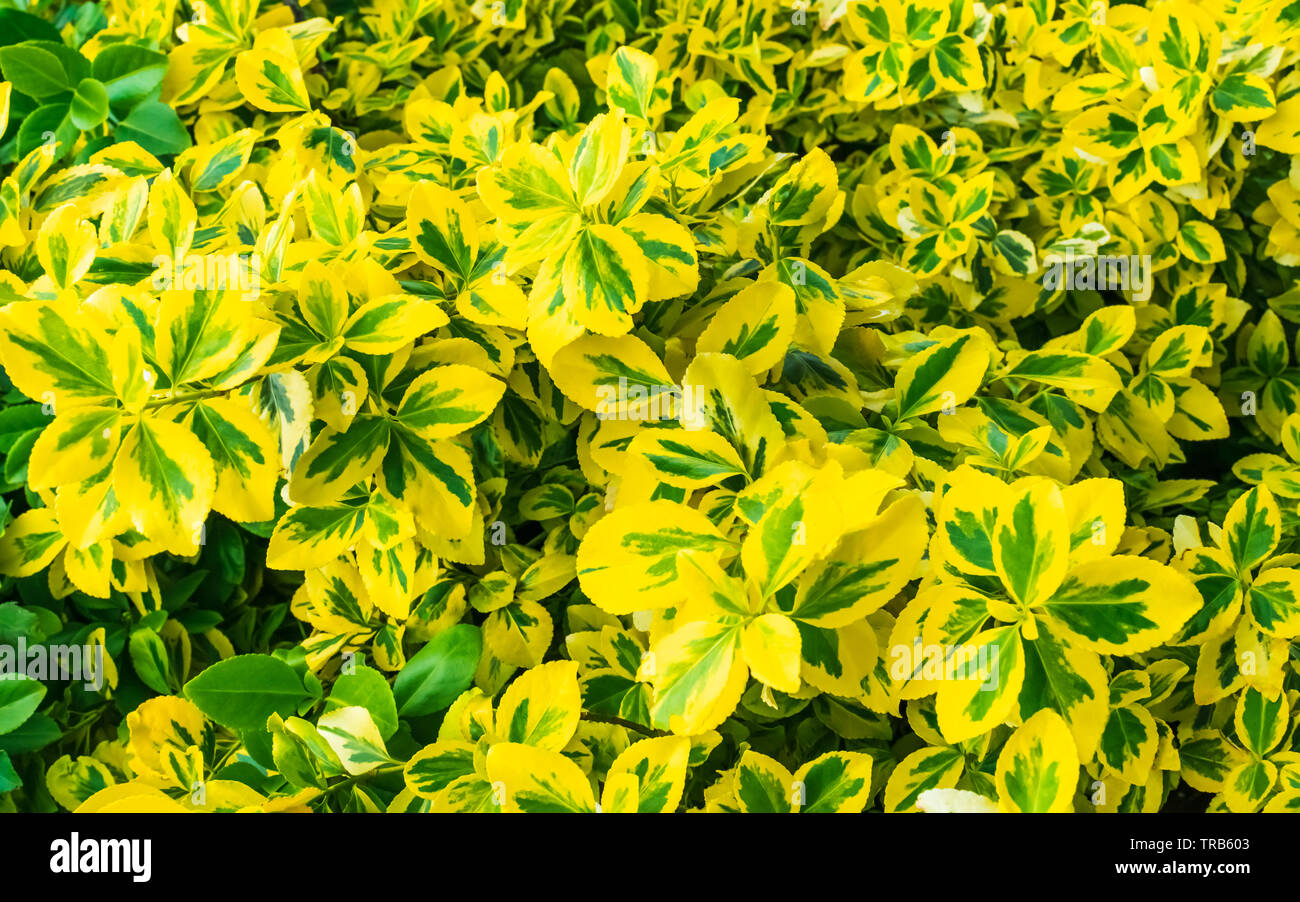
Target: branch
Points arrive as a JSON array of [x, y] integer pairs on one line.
[[620, 722]]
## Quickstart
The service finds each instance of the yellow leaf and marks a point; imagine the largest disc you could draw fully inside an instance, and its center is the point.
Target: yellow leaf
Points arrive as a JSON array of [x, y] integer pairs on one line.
[[1038, 767], [164, 480]]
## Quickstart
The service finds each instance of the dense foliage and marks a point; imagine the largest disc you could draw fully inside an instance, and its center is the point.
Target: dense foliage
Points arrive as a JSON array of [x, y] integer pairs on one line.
[[642, 406]]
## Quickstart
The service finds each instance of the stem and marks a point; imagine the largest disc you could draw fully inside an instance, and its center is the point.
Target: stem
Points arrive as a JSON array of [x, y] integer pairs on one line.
[[226, 757], [620, 722], [382, 769], [181, 398]]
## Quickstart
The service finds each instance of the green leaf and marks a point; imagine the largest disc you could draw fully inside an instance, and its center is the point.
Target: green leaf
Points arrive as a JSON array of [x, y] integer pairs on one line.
[[19, 697], [43, 69], [155, 127], [15, 466], [41, 124], [36, 732], [89, 105], [149, 657], [9, 779], [243, 691], [129, 73], [435, 675], [366, 688], [17, 26]]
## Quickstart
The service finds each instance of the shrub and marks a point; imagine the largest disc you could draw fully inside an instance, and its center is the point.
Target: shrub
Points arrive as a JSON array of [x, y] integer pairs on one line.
[[640, 406]]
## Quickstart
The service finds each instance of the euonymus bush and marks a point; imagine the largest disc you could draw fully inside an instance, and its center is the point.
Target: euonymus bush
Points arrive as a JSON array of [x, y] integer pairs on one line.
[[647, 406]]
